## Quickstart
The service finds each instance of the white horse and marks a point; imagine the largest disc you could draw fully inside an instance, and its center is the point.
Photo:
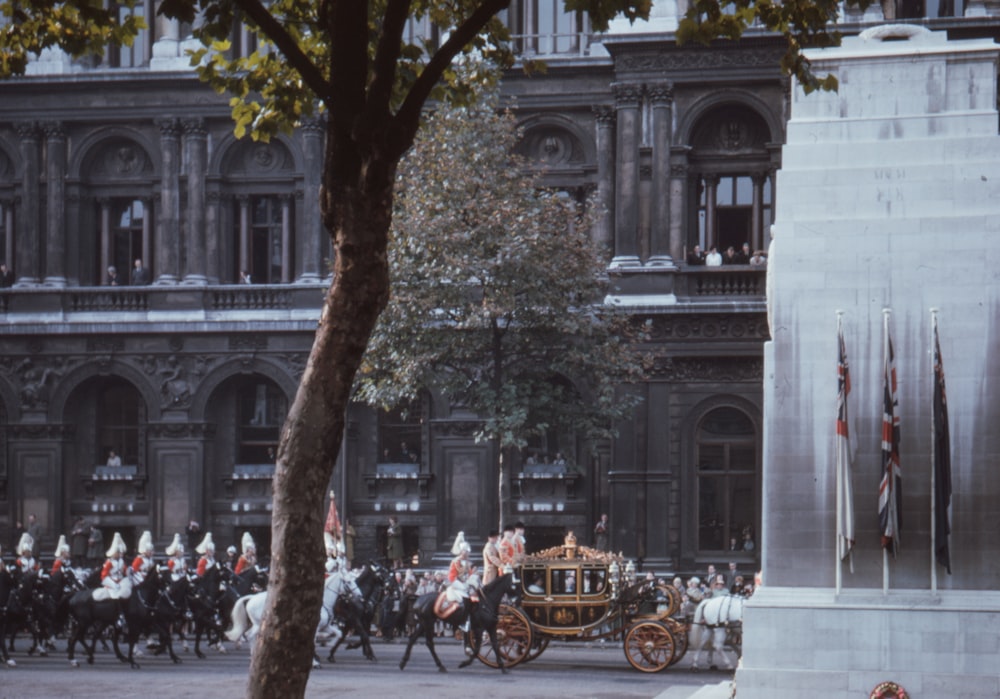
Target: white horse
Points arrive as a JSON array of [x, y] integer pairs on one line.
[[249, 610], [712, 619]]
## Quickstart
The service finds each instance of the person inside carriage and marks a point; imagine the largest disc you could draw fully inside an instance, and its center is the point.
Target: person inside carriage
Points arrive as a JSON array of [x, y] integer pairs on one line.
[[176, 563], [207, 550]]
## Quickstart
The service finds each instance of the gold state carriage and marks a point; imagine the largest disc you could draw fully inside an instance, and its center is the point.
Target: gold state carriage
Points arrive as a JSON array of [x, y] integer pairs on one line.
[[573, 593]]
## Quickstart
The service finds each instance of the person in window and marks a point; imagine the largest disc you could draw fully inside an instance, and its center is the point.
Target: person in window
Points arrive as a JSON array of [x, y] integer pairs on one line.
[[713, 258], [394, 543], [696, 258], [743, 255], [245, 277], [113, 279], [758, 259], [6, 276], [730, 257], [114, 461], [140, 275]]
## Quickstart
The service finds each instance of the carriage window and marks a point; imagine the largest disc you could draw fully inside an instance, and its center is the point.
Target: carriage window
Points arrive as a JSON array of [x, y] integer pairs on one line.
[[564, 582], [593, 581], [727, 475]]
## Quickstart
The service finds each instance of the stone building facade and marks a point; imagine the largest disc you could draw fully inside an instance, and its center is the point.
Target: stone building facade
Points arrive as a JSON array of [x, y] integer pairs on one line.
[[188, 378]]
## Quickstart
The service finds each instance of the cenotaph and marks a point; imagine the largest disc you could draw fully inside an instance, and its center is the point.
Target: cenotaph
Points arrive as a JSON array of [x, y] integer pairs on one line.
[[888, 206]]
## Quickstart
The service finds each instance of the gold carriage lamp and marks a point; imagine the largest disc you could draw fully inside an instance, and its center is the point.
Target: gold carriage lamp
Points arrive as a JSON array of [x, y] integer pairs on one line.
[[630, 572], [615, 575]]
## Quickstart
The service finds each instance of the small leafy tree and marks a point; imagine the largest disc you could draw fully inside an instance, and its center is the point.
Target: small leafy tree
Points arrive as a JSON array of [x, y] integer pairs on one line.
[[496, 293]]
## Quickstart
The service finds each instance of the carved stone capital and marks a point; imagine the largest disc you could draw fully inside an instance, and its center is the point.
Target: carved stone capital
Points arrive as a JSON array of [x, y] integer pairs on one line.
[[53, 130], [194, 128], [627, 95], [660, 94], [26, 130], [170, 128], [604, 115]]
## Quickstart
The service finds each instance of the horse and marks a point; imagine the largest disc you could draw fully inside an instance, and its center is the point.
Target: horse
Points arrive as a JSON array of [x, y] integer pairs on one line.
[[249, 610], [149, 607], [713, 618], [211, 602], [27, 606], [376, 583], [482, 616]]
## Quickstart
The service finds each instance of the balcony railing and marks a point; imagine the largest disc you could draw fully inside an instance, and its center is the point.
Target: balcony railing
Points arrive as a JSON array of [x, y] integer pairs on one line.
[[716, 283]]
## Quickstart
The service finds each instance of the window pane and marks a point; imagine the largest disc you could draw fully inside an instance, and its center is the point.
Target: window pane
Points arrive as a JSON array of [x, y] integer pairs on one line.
[[711, 513], [741, 458], [724, 195], [725, 422], [711, 457], [744, 191]]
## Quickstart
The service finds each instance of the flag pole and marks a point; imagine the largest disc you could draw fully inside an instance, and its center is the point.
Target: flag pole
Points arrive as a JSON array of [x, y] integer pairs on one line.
[[838, 577], [885, 361], [934, 312]]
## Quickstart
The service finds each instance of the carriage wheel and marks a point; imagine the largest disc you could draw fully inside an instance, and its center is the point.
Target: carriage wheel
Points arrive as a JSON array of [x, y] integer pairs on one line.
[[649, 646], [679, 630], [538, 646], [514, 638], [666, 600]]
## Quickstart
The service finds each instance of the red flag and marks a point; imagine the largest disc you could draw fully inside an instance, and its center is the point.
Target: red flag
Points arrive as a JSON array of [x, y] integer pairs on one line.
[[845, 487], [890, 491], [332, 519], [942, 463]]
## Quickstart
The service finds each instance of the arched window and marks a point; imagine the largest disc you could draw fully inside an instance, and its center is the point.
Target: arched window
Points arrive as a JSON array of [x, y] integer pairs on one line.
[[129, 229], [261, 410], [119, 414], [726, 458], [401, 434]]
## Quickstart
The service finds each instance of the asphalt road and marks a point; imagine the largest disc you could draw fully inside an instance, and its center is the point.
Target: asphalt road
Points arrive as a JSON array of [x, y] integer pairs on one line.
[[579, 670]]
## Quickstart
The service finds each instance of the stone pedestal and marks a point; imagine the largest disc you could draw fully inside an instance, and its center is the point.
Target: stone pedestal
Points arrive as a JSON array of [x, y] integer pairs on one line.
[[888, 197]]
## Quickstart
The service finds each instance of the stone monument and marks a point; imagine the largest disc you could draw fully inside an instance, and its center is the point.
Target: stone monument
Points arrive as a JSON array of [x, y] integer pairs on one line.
[[888, 198]]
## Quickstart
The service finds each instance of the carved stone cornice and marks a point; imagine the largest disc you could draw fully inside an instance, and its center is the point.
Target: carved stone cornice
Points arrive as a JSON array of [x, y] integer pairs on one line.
[[243, 343], [181, 430], [708, 369], [706, 327], [45, 430], [699, 59]]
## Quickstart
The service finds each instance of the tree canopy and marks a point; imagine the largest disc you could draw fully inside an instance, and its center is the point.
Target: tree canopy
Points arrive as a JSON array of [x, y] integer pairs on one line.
[[497, 290]]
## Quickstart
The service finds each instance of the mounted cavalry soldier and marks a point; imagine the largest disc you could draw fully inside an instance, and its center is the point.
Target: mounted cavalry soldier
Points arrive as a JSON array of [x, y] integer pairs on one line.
[[332, 560], [176, 562], [249, 558], [207, 550], [62, 556], [143, 561], [115, 583], [463, 582], [25, 561]]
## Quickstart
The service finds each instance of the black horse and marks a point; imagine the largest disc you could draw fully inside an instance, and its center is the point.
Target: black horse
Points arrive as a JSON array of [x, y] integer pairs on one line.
[[151, 608], [355, 615], [212, 598], [26, 607], [482, 616]]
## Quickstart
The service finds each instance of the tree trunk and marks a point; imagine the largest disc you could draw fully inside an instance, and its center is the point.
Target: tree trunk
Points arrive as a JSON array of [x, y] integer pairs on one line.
[[358, 218]]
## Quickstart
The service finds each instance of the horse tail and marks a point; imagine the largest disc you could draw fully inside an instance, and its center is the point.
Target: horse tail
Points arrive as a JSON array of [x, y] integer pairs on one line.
[[240, 619]]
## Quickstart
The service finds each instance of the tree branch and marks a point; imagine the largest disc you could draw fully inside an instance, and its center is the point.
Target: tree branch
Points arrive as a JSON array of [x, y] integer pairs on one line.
[[386, 56], [407, 119], [288, 46]]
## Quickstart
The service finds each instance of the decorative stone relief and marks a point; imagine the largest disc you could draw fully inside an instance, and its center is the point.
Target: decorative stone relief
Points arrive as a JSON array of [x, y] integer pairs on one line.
[[120, 159], [714, 370], [36, 377], [552, 146], [706, 327]]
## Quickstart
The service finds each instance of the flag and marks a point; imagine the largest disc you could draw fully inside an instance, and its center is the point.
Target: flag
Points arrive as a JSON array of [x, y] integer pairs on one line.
[[942, 463], [845, 494], [890, 490], [332, 519]]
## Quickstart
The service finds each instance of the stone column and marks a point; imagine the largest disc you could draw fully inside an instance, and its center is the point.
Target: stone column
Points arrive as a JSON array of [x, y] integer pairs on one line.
[[659, 245], [79, 264], [8, 227], [165, 267], [627, 98], [757, 213], [604, 116], [286, 236], [213, 237], [244, 200], [105, 233], [195, 158], [27, 268], [711, 189], [309, 227], [55, 204]]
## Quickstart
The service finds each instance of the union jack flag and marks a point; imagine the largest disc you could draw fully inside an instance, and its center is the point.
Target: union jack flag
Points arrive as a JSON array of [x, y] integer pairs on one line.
[[845, 495], [942, 463], [890, 490]]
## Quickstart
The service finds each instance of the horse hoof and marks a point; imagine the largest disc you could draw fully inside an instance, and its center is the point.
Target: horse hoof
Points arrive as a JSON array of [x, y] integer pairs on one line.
[[442, 669], [74, 663], [11, 663], [713, 667], [402, 665]]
